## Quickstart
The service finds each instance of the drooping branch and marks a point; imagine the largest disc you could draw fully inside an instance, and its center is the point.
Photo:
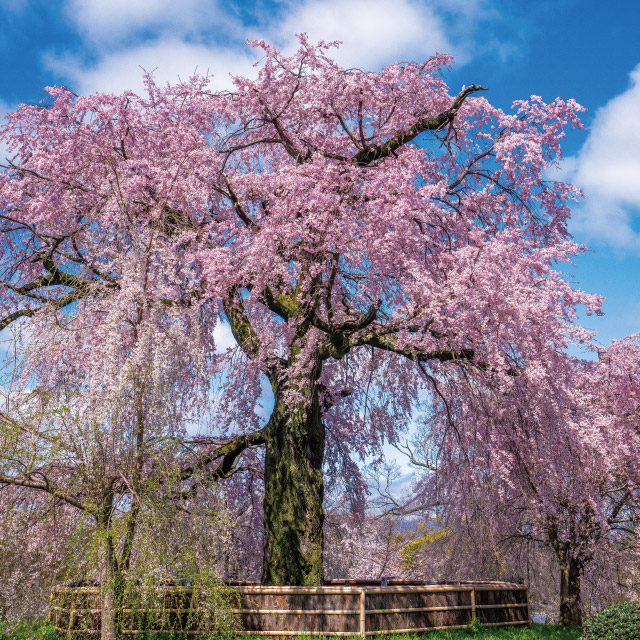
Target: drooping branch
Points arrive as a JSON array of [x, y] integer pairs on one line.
[[46, 486]]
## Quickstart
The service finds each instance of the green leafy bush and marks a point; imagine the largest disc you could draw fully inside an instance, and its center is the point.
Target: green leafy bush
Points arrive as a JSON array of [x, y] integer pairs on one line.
[[475, 627], [619, 622]]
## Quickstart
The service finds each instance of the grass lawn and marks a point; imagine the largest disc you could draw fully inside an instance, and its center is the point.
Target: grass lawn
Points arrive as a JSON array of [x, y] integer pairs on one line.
[[535, 632]]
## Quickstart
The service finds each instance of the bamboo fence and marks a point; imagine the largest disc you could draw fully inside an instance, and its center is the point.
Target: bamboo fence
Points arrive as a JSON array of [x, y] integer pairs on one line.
[[350, 609]]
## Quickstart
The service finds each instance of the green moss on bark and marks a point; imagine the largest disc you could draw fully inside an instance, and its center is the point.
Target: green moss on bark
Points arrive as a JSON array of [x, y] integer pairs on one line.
[[294, 491]]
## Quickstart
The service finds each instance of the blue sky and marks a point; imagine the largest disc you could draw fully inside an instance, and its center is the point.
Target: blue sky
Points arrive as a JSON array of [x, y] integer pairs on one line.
[[583, 49]]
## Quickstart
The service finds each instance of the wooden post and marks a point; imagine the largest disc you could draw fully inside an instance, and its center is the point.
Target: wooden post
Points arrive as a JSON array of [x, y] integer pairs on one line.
[[72, 613], [363, 624], [526, 595], [473, 605]]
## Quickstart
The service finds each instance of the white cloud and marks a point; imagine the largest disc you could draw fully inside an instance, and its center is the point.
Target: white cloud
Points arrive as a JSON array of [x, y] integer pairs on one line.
[[177, 37], [607, 168], [223, 337], [605, 221], [107, 22], [609, 163], [373, 32], [168, 59]]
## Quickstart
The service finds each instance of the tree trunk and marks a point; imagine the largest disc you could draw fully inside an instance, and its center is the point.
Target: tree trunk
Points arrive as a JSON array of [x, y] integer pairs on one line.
[[570, 604], [294, 490], [108, 588]]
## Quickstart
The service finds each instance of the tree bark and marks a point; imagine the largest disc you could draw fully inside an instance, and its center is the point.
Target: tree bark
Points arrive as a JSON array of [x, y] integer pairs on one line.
[[108, 587], [570, 603], [294, 489]]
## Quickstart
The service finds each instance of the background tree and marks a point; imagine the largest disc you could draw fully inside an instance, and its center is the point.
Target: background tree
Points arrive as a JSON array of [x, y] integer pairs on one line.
[[519, 463], [359, 232], [108, 452], [95, 414]]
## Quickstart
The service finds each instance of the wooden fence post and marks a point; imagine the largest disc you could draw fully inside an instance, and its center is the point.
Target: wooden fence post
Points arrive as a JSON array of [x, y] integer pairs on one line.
[[50, 616], [363, 630], [473, 605], [72, 615]]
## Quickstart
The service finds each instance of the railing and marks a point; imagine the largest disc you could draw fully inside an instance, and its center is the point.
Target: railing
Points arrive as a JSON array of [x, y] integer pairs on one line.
[[330, 610]]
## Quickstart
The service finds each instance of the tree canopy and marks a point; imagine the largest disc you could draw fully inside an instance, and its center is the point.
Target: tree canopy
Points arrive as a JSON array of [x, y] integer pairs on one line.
[[365, 235]]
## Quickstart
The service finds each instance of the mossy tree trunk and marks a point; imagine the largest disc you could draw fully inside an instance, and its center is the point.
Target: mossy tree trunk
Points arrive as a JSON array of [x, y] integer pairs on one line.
[[294, 489]]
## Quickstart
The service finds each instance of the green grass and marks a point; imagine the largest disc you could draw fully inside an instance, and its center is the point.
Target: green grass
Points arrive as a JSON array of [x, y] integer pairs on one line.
[[43, 631], [534, 632]]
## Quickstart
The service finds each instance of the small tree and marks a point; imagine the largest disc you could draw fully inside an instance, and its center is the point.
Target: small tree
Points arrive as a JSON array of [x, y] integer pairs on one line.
[[100, 427]]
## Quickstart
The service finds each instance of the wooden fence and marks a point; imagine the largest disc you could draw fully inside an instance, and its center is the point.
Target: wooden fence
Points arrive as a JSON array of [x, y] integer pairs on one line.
[[332, 610]]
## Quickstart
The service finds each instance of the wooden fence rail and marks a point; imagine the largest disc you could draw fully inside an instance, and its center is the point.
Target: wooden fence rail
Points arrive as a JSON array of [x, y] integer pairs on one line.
[[332, 610]]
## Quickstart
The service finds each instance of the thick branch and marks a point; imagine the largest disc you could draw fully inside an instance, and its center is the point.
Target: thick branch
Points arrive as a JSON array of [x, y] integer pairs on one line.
[[26, 428], [406, 450], [618, 507], [228, 455], [63, 278], [241, 328], [286, 306], [387, 343], [343, 329], [365, 157], [12, 317], [284, 138], [55, 278], [242, 214]]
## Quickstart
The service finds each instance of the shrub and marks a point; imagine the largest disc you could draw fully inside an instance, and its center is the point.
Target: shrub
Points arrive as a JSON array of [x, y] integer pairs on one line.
[[619, 622]]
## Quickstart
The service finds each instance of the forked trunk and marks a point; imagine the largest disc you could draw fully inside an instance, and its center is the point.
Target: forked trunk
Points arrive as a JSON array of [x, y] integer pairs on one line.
[[293, 510], [570, 604]]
